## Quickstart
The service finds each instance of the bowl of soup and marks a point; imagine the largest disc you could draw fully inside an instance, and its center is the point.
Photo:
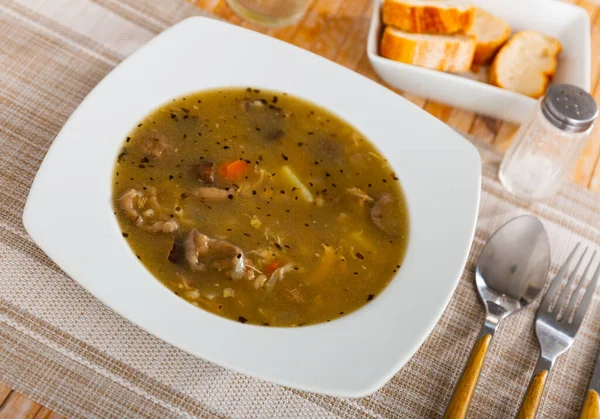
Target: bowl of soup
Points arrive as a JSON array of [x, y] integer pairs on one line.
[[264, 209]]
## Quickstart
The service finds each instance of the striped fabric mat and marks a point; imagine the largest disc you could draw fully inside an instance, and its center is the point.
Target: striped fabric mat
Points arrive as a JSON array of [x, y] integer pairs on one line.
[[64, 349]]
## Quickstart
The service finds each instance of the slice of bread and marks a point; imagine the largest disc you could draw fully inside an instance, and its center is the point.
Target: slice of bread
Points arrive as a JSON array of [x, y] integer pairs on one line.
[[526, 63], [491, 33], [452, 53], [429, 16]]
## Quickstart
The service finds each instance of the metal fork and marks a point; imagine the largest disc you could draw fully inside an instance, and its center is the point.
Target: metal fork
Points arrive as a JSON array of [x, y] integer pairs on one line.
[[554, 328]]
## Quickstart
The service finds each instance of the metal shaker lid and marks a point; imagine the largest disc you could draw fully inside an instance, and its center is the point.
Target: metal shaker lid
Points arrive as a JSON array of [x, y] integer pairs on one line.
[[569, 108]]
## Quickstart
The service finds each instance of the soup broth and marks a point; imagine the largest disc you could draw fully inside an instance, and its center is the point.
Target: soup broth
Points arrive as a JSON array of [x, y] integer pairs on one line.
[[260, 207]]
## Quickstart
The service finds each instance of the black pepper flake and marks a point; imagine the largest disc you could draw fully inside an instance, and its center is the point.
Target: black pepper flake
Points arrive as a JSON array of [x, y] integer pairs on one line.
[[253, 192], [266, 324], [260, 157], [286, 246], [257, 128], [170, 177], [184, 195], [277, 245], [355, 273], [370, 297], [247, 161], [141, 166], [361, 257], [307, 225], [139, 257], [311, 184], [316, 162], [144, 160], [239, 256], [384, 181], [341, 312], [294, 188], [173, 116], [139, 125], [300, 144], [242, 319], [284, 157], [128, 139], [275, 99], [394, 271], [177, 208], [310, 133], [125, 235], [185, 110], [229, 229], [327, 174], [369, 185], [282, 192], [247, 235], [230, 196], [225, 147], [256, 90]]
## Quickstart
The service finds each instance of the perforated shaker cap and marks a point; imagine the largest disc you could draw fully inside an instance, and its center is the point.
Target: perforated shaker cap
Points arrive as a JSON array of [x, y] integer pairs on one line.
[[569, 108]]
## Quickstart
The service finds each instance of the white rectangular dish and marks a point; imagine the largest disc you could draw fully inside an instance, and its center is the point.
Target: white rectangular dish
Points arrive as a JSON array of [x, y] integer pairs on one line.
[[70, 202], [566, 22]]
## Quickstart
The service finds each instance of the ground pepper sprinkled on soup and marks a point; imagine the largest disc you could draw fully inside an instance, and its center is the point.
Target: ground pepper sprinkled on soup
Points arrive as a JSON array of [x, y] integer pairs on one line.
[[260, 207]]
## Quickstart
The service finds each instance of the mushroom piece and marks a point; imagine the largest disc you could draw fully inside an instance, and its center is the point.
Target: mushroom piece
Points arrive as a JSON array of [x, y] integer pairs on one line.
[[154, 144], [133, 203], [130, 202], [203, 252], [383, 217], [205, 171]]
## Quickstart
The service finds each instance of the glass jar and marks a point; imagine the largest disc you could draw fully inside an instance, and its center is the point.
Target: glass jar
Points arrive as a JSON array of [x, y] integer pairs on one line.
[[545, 149], [270, 12]]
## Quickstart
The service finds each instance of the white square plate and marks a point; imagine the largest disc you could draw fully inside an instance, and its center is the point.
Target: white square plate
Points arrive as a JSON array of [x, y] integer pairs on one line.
[[70, 203], [566, 22]]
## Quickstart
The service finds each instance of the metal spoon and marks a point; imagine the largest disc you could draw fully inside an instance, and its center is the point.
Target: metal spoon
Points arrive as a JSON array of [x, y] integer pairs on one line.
[[511, 272]]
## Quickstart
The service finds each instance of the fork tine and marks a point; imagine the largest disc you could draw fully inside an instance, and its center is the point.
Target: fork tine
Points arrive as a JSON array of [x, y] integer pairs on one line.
[[545, 305], [587, 298], [575, 294], [565, 291]]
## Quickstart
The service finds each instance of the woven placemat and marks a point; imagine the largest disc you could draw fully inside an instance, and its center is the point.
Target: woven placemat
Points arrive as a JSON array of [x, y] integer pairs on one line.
[[64, 349]]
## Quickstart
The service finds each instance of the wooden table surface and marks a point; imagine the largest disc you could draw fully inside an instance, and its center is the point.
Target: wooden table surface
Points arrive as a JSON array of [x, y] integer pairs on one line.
[[337, 30]]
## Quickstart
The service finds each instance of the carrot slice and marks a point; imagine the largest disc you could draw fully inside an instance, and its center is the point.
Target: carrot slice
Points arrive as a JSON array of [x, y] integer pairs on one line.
[[272, 267], [235, 169]]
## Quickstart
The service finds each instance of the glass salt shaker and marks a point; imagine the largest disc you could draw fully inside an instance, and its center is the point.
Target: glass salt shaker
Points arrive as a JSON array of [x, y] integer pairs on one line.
[[546, 148]]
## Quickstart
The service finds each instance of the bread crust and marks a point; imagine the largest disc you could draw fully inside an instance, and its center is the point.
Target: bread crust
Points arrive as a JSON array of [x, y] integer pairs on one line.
[[486, 49], [453, 54], [427, 18]]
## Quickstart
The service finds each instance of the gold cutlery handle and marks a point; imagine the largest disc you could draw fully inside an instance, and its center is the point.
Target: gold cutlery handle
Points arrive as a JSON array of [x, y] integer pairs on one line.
[[463, 393], [591, 407], [533, 396]]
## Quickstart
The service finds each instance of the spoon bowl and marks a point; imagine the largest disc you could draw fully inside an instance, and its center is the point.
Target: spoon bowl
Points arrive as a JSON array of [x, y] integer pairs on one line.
[[513, 266], [510, 274]]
